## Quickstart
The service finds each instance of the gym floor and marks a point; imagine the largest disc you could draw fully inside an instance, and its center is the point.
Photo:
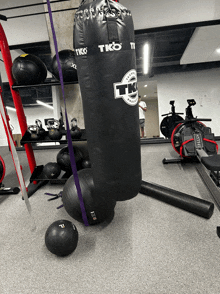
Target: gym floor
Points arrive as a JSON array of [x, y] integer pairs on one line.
[[148, 248]]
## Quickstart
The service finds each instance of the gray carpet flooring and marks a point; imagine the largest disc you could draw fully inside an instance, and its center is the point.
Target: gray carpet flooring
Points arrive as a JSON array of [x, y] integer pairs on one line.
[[148, 248]]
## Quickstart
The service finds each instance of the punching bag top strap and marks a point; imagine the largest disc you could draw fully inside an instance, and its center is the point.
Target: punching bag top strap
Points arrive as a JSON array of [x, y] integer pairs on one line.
[[112, 29], [111, 19]]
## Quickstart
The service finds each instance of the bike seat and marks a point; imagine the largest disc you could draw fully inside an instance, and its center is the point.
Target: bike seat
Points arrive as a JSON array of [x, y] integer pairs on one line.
[[211, 162]]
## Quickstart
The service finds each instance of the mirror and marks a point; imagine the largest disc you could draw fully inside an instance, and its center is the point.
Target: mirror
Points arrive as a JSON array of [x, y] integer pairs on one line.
[[148, 92], [184, 64]]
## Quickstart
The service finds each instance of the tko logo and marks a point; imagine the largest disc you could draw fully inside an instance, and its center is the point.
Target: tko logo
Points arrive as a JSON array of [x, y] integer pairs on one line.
[[127, 88], [73, 65], [110, 47], [81, 51]]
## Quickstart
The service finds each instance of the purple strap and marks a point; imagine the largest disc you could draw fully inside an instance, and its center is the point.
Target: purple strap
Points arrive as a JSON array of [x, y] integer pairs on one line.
[[70, 146]]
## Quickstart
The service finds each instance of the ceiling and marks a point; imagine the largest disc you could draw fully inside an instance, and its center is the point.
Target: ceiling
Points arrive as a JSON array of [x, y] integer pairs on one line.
[[173, 48], [202, 46], [166, 48], [176, 48]]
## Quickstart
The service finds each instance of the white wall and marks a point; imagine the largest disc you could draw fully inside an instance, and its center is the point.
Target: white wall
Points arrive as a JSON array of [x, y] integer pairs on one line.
[[156, 13], [203, 86]]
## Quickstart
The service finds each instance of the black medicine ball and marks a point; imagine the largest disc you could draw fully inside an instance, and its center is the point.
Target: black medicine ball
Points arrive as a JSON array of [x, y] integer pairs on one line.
[[98, 208], [61, 238], [28, 69], [51, 170], [68, 66], [63, 158]]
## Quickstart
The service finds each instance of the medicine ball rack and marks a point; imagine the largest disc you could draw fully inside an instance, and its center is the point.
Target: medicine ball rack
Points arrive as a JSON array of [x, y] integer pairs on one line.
[[6, 55]]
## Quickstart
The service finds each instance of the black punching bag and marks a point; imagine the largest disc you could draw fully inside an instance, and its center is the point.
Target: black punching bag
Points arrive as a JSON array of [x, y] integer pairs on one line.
[[105, 57]]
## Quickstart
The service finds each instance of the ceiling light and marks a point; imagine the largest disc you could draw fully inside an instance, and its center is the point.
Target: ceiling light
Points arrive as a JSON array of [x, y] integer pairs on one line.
[[145, 86], [10, 108], [44, 104], [145, 95], [146, 59], [218, 50]]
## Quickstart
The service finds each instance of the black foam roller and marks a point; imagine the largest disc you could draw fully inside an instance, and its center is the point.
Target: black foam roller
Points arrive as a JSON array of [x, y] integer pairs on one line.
[[178, 199], [218, 231], [104, 44]]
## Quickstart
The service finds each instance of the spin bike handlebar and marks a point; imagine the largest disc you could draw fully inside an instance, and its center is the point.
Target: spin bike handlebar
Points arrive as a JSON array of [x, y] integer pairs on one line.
[[192, 120], [172, 113]]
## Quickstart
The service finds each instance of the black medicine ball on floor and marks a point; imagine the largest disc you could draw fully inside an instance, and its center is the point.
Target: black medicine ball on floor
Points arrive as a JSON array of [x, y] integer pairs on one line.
[[61, 237], [28, 69], [68, 66], [98, 208], [51, 170]]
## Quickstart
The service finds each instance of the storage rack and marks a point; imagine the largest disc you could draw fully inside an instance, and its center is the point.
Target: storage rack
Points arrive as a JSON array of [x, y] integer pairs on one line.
[[36, 175]]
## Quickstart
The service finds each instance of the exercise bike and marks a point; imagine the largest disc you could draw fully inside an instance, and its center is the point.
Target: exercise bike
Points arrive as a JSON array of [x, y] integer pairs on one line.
[[192, 140], [170, 121]]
